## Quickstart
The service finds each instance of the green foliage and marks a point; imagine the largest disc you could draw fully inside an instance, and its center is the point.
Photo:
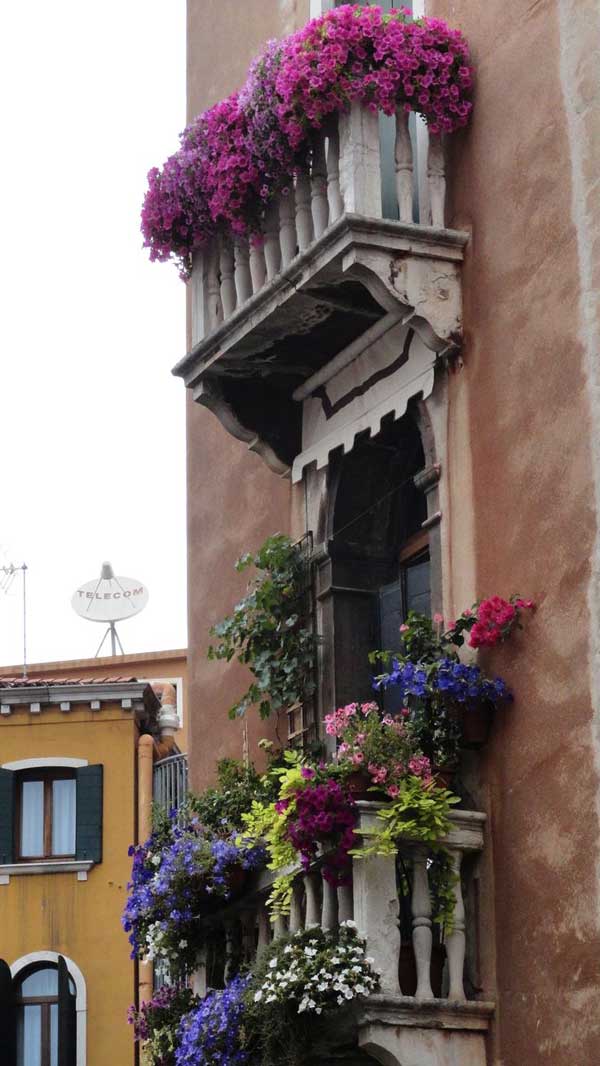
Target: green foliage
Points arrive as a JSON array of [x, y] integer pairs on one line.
[[238, 787], [419, 812], [267, 823], [268, 632]]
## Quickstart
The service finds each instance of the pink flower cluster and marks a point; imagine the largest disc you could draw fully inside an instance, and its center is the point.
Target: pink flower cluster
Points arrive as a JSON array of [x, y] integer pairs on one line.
[[495, 619], [235, 156], [337, 722]]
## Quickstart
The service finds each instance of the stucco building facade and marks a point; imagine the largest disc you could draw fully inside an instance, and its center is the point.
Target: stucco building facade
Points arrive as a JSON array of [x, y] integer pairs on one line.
[[511, 430]]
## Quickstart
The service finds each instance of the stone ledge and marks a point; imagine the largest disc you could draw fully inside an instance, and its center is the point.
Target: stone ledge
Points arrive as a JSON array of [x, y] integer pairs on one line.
[[81, 867], [405, 1011]]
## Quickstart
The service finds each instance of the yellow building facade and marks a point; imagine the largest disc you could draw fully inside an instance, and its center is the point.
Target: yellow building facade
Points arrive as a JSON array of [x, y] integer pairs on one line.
[[75, 791]]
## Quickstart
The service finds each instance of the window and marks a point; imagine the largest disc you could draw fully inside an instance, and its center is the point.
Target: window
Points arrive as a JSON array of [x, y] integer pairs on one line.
[[46, 804], [379, 563], [50, 813], [42, 1012]]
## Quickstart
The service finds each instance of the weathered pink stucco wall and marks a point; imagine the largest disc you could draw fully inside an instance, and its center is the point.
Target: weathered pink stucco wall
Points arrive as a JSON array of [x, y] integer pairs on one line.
[[522, 404], [234, 502]]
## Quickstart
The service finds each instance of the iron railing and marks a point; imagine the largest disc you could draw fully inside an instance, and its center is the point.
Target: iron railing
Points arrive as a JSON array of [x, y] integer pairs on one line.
[[170, 782]]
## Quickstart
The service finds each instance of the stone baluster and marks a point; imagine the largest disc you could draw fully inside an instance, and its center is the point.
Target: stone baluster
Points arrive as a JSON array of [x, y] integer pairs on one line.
[[243, 281], [226, 264], [403, 162], [264, 930], [455, 941], [287, 225], [329, 912], [296, 908], [318, 187], [345, 907], [375, 899], [313, 909], [248, 924], [272, 247], [229, 928], [213, 291], [360, 167], [334, 195], [436, 174], [304, 225], [199, 978], [422, 935], [279, 927], [200, 325], [258, 267]]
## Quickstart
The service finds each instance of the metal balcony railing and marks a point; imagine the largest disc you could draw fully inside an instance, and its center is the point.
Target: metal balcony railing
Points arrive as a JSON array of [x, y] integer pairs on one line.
[[170, 782]]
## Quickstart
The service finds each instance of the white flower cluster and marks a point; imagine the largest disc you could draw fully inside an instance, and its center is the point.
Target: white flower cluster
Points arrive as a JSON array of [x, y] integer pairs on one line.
[[320, 971], [156, 948]]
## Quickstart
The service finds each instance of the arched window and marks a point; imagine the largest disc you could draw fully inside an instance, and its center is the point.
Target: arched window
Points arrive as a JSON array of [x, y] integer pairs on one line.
[[379, 551], [42, 1012]]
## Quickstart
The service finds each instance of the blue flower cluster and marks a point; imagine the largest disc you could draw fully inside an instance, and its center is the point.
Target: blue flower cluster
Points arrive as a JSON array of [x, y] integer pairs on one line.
[[174, 874], [211, 1033], [444, 677]]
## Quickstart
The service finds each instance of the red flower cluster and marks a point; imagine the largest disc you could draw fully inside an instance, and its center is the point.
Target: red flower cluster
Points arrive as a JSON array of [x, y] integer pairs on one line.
[[325, 814], [495, 619]]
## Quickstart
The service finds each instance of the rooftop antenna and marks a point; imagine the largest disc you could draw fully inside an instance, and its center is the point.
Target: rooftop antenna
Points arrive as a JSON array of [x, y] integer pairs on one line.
[[110, 599], [8, 573]]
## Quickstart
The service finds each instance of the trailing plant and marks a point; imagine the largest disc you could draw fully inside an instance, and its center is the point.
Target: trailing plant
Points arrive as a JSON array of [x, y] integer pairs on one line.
[[268, 630], [298, 978], [234, 157], [176, 876], [212, 1032], [156, 1023], [312, 809]]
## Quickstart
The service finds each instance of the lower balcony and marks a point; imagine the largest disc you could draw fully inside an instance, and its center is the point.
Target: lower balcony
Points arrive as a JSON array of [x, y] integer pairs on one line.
[[422, 1014]]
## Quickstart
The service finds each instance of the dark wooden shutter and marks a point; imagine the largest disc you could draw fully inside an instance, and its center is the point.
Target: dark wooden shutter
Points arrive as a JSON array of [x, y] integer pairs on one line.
[[67, 1018], [8, 1017], [7, 815], [89, 813]]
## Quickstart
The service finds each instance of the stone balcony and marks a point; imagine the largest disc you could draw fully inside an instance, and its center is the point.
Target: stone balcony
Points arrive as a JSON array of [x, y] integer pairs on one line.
[[273, 323], [393, 1027]]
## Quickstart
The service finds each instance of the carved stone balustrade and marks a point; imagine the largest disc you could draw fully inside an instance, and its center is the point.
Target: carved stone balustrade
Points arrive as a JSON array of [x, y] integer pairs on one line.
[[392, 1027], [272, 321]]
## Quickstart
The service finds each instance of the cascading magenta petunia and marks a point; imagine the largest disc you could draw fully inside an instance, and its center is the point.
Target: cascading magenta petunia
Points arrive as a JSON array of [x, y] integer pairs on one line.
[[237, 155]]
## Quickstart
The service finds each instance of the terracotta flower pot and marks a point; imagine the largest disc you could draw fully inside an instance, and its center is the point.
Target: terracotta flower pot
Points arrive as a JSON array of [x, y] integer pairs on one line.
[[444, 775], [358, 784]]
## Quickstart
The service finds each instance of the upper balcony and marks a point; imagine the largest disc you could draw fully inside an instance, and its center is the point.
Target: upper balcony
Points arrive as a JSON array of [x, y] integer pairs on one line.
[[334, 279]]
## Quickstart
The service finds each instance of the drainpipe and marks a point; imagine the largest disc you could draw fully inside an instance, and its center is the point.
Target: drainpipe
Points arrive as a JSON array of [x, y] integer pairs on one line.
[[145, 764], [168, 719]]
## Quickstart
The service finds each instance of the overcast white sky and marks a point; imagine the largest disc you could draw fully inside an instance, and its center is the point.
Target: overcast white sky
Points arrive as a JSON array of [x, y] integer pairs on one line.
[[92, 460]]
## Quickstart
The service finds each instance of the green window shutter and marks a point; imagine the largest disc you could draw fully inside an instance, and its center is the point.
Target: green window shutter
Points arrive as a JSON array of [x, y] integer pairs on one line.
[[7, 815], [67, 1018], [89, 813], [8, 1017]]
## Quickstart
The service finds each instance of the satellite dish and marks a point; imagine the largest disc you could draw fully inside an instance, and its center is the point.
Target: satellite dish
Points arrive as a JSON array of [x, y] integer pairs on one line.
[[110, 599]]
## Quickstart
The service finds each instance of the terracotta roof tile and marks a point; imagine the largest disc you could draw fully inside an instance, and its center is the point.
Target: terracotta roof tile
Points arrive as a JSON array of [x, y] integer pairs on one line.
[[43, 682]]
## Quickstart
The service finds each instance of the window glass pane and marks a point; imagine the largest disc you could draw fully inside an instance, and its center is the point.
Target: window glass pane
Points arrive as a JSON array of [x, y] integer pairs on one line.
[[32, 819], [63, 817], [40, 983], [29, 1036], [54, 1034], [418, 587]]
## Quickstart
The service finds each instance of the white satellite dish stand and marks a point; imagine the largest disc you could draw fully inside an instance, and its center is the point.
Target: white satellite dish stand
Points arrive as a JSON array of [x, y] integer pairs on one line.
[[110, 599]]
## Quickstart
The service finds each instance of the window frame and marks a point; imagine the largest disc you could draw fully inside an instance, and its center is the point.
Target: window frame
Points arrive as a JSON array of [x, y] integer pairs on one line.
[[45, 1002], [47, 775]]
